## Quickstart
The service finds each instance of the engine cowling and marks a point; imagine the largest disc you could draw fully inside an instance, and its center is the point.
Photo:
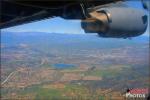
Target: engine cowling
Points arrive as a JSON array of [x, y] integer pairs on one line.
[[116, 22]]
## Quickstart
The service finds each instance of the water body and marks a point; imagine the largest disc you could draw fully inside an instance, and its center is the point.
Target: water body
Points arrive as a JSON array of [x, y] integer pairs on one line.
[[63, 66]]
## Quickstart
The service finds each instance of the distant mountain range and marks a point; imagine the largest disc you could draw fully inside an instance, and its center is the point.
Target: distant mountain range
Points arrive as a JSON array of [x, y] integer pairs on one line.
[[58, 39]]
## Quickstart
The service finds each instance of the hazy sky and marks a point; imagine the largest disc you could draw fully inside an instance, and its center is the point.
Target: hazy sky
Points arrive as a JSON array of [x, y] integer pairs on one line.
[[59, 25]]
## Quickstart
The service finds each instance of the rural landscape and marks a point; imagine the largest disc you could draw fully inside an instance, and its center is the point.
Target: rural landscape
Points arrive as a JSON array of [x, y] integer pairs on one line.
[[54, 66]]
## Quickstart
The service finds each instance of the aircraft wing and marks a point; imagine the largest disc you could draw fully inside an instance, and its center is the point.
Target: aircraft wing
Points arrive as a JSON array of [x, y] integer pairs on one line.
[[16, 12], [108, 18]]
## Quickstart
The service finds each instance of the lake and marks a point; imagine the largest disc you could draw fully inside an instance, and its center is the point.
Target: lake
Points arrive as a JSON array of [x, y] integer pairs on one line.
[[63, 66]]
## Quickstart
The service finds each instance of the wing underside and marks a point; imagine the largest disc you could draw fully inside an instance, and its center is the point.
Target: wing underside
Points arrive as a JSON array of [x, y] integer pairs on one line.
[[17, 12]]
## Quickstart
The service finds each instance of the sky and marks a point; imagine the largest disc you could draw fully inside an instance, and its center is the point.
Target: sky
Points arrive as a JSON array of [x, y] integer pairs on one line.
[[59, 25]]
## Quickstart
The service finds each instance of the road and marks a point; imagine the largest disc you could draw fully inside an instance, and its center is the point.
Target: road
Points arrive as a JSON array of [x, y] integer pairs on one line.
[[12, 73]]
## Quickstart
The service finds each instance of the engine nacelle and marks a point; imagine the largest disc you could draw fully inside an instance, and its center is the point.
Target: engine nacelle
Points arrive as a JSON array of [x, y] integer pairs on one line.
[[116, 22]]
